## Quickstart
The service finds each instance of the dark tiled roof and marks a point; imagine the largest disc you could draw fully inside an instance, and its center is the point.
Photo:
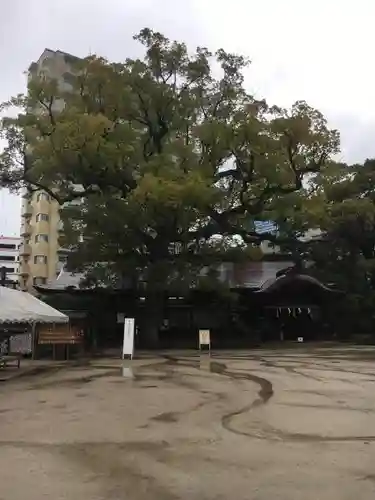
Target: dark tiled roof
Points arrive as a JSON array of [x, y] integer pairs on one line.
[[275, 284], [239, 275]]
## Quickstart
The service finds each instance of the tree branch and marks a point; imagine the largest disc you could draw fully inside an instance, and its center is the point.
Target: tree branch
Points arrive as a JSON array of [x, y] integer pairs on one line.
[[48, 107]]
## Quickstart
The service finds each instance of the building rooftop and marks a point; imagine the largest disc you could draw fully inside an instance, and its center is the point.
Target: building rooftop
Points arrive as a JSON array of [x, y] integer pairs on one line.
[[48, 53], [243, 275]]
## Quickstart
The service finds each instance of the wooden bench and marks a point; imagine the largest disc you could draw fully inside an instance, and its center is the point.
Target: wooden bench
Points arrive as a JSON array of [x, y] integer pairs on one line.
[[8, 359]]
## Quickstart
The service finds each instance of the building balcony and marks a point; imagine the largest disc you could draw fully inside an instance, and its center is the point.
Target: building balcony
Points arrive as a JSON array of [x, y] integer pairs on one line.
[[25, 229], [27, 195], [60, 226], [42, 227], [40, 270], [42, 206], [41, 248], [25, 249], [63, 254], [24, 269], [27, 210]]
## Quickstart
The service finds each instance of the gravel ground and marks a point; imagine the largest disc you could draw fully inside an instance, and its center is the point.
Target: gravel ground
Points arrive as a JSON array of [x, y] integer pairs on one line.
[[262, 424]]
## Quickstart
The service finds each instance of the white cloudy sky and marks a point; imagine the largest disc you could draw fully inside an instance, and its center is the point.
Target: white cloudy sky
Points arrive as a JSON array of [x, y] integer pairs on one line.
[[317, 50]]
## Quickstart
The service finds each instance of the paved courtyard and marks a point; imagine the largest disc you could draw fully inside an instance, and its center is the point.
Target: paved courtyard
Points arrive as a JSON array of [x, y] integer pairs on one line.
[[262, 424]]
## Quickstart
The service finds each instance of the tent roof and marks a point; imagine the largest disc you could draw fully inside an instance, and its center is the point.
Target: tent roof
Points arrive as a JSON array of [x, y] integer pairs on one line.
[[22, 307]]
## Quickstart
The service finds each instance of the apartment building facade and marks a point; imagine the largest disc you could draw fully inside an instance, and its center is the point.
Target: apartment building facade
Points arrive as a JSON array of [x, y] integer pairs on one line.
[[40, 239], [40, 255], [9, 257]]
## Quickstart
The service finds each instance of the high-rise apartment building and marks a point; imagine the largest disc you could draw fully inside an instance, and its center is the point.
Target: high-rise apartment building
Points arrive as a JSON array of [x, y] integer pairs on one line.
[[39, 251], [41, 257]]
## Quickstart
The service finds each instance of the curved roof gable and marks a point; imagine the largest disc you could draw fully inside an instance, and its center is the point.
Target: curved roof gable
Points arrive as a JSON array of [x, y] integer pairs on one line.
[[277, 284]]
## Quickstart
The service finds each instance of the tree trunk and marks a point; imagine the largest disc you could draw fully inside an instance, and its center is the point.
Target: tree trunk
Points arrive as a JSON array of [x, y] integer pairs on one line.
[[152, 317], [152, 312]]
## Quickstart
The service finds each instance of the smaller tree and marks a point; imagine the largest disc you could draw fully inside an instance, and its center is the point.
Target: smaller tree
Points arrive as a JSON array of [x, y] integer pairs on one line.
[[345, 255]]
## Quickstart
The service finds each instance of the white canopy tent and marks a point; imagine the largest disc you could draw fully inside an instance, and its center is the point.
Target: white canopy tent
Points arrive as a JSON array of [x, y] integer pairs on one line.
[[22, 307]]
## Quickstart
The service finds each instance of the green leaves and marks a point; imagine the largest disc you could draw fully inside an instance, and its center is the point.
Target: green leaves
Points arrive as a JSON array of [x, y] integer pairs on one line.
[[166, 153], [346, 254]]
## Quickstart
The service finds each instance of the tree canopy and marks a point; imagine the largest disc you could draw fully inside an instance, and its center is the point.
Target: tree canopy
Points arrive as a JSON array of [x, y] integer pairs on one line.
[[345, 254], [164, 153]]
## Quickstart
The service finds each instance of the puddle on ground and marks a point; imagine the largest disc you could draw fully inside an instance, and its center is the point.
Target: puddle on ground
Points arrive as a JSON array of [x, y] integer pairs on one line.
[[167, 417], [205, 362], [127, 369]]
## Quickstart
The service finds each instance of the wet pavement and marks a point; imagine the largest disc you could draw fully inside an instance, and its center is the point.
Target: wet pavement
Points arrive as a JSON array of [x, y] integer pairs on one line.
[[262, 424]]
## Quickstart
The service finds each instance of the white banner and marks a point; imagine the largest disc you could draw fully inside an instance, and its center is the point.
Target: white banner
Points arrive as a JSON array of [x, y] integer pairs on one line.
[[128, 344]]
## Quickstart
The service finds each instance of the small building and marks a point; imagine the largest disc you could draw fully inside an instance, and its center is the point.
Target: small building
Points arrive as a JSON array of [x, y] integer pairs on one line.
[[257, 302]]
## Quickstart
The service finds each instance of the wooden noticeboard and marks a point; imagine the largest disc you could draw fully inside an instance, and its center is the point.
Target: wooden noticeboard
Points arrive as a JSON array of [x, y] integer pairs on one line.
[[59, 334]]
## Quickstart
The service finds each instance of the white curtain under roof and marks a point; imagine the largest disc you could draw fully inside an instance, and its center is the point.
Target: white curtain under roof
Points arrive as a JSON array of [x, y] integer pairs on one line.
[[22, 307]]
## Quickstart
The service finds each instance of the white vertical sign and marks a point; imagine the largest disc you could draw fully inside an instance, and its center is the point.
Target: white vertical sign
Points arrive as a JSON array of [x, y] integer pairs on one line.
[[204, 339], [128, 344]]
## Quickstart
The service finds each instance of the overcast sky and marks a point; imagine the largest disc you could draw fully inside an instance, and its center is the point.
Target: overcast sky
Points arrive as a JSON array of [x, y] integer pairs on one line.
[[317, 50]]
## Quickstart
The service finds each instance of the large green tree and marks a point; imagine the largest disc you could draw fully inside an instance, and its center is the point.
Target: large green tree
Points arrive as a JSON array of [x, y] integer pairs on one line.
[[171, 159]]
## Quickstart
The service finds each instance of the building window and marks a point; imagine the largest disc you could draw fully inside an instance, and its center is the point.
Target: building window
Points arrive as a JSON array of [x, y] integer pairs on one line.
[[41, 217], [41, 237], [7, 269], [39, 281], [42, 196], [7, 246], [40, 259], [9, 258]]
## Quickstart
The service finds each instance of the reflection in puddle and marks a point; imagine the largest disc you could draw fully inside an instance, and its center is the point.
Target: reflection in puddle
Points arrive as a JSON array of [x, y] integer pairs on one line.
[[205, 362], [127, 370], [208, 364]]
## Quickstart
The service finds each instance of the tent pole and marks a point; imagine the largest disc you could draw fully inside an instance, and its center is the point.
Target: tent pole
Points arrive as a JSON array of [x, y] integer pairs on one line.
[[33, 340]]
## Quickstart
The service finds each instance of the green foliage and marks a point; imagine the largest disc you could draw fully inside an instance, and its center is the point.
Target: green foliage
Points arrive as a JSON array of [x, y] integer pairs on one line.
[[171, 163], [346, 253]]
